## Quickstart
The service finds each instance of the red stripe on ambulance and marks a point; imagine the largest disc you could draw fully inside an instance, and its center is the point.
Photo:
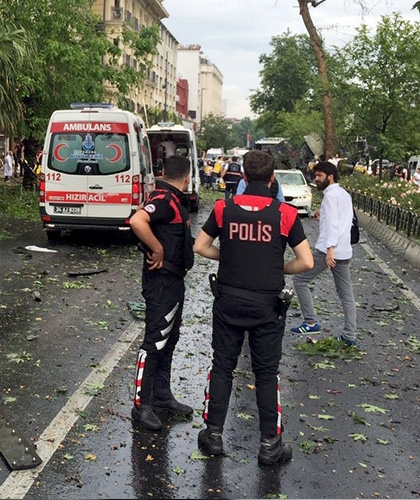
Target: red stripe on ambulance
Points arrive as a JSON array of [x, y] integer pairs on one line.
[[83, 197]]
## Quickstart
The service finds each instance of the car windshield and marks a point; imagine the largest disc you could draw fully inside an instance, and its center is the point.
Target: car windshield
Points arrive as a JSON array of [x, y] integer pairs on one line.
[[290, 178]]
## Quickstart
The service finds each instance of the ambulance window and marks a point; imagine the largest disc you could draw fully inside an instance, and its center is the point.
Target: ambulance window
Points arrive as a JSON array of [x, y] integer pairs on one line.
[[105, 153], [61, 155], [112, 153]]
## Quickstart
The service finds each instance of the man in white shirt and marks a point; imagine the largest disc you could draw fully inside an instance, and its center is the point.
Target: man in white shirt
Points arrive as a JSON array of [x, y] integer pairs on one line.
[[333, 251]]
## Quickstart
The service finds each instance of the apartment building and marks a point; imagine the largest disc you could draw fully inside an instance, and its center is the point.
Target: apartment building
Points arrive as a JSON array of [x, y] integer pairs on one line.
[[159, 87], [205, 83], [211, 80]]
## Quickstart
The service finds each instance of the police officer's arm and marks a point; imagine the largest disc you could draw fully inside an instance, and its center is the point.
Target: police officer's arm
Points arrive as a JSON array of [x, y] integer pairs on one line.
[[140, 224], [303, 260], [204, 246]]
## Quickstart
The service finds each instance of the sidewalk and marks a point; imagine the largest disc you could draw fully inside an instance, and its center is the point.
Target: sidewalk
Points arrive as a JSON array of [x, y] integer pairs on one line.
[[396, 242]]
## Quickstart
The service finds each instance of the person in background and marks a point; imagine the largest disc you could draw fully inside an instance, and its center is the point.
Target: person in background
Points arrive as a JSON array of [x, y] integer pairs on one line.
[[8, 166], [247, 300], [231, 175], [416, 177], [333, 251], [216, 172], [275, 189], [163, 227]]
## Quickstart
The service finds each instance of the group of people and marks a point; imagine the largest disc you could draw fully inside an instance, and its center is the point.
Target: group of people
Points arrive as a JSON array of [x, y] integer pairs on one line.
[[17, 165], [228, 169], [252, 227]]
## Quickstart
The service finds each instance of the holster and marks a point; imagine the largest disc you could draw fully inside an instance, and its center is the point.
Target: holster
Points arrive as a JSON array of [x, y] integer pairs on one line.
[[282, 307], [214, 285]]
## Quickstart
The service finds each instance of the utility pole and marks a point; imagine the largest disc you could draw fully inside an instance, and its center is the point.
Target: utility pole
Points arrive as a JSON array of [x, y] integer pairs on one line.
[[165, 113]]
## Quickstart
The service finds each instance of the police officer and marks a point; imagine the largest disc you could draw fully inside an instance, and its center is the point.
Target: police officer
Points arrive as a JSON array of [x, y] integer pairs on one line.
[[231, 175], [253, 230], [163, 228]]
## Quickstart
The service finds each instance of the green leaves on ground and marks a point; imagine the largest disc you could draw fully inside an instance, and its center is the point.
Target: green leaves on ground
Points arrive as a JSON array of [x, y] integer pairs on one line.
[[372, 408]]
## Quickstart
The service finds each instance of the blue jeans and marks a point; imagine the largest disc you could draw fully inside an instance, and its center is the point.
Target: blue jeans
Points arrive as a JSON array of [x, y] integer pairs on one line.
[[343, 286]]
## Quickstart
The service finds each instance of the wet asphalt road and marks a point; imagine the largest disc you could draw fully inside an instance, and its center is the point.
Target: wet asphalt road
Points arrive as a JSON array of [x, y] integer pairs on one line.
[[342, 448]]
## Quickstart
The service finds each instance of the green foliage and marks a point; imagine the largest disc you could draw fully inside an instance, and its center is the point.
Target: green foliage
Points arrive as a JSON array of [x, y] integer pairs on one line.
[[401, 194], [216, 132], [19, 203], [16, 56], [377, 86], [74, 57], [288, 89]]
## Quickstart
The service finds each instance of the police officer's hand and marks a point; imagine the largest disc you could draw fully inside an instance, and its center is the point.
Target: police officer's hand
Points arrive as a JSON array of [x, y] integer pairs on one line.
[[155, 259]]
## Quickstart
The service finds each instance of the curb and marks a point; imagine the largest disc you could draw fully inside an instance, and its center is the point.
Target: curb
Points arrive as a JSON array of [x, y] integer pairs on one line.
[[395, 241]]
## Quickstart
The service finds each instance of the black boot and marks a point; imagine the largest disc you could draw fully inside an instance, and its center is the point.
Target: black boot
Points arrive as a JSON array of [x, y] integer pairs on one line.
[[173, 406], [273, 451], [210, 440], [146, 417]]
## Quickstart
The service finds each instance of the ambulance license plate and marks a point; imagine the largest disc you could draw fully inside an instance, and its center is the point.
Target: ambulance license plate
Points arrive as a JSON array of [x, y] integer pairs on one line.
[[65, 209]]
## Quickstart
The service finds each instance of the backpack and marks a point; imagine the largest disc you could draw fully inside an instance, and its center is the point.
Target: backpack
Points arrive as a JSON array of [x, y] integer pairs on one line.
[[354, 231]]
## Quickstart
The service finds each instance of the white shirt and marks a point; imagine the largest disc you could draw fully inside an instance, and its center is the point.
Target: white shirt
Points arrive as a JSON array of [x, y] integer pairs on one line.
[[335, 222], [8, 165], [416, 178]]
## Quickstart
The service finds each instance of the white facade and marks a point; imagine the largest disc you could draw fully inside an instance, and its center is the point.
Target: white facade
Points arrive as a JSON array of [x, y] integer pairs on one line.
[[211, 89], [165, 69], [189, 68]]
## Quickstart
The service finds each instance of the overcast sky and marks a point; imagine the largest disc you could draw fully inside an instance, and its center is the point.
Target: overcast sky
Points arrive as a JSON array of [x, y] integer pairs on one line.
[[234, 33]]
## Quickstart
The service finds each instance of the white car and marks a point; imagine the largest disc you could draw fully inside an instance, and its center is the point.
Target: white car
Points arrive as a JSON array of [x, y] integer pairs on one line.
[[295, 189]]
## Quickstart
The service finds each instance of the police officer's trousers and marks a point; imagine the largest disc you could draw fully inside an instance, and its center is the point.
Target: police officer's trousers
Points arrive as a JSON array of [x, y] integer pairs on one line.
[[232, 317], [164, 293]]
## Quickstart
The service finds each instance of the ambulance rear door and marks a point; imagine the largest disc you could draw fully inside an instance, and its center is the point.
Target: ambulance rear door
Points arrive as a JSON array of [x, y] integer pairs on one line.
[[88, 179]]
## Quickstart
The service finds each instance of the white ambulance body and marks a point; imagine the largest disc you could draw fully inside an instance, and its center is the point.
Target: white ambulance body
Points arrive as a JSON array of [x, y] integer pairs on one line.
[[96, 169], [167, 139]]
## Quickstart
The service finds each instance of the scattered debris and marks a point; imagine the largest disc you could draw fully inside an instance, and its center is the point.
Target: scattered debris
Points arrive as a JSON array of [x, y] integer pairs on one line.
[[137, 309], [87, 273], [35, 248]]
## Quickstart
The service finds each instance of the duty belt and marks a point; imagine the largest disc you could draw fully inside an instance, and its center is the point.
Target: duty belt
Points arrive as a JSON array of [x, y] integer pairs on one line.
[[265, 298]]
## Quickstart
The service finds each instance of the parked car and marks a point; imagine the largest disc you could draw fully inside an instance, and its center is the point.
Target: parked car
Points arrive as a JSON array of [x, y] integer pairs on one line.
[[295, 189]]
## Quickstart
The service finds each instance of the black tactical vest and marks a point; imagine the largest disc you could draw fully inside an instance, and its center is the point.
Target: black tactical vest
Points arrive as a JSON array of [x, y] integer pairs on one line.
[[251, 248]]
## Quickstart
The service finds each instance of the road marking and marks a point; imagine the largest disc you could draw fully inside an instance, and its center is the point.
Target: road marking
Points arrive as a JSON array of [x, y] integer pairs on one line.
[[19, 482], [405, 289]]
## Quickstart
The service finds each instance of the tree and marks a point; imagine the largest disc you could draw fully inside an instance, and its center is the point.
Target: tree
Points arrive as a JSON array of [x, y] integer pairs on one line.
[[74, 56], [381, 83], [16, 48], [320, 54], [289, 76], [215, 132]]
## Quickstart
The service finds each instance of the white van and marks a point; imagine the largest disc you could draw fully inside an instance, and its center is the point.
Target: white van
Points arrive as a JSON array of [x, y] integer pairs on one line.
[[413, 163], [167, 139], [96, 169]]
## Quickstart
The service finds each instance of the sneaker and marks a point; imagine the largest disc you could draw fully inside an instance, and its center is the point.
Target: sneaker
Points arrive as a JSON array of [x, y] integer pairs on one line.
[[348, 342], [273, 451], [210, 440], [305, 328], [173, 406], [146, 417]]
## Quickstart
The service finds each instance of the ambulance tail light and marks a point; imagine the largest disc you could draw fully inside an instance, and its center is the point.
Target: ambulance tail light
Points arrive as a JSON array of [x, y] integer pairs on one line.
[[135, 190], [42, 188]]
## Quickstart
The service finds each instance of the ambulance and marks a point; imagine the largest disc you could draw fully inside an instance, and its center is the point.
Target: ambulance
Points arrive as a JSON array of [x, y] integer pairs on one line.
[[96, 169], [168, 138]]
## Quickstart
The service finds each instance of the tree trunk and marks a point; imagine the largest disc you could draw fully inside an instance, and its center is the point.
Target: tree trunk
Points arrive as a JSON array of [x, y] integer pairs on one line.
[[316, 43]]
